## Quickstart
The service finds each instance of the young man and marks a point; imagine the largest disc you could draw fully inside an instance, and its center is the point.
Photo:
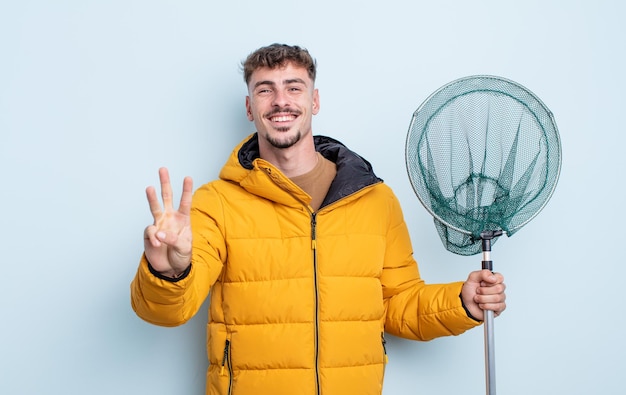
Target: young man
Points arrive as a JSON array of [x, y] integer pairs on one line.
[[305, 252]]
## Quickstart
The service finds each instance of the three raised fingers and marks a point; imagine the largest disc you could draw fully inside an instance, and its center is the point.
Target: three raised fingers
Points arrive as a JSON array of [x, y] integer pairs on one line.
[[167, 196]]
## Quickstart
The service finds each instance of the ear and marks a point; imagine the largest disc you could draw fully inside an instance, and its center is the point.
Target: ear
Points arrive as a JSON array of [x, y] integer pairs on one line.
[[316, 101], [249, 109]]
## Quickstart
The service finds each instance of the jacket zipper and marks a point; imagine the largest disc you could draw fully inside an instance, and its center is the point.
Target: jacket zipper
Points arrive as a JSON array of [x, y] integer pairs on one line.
[[316, 288], [385, 357], [226, 363]]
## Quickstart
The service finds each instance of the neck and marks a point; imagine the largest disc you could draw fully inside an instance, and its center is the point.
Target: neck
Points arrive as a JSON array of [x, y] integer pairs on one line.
[[298, 159]]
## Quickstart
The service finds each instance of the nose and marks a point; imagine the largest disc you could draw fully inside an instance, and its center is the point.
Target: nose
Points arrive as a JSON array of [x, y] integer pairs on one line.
[[280, 99]]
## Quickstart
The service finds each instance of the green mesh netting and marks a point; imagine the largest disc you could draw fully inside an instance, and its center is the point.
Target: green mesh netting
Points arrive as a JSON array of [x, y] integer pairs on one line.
[[483, 154]]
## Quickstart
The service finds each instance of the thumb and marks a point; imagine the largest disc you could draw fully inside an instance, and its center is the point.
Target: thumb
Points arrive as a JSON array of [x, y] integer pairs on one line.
[[168, 238], [480, 276]]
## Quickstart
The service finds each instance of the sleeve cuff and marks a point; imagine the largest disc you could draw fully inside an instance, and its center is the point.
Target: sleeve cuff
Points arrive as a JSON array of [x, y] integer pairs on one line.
[[182, 276], [467, 311]]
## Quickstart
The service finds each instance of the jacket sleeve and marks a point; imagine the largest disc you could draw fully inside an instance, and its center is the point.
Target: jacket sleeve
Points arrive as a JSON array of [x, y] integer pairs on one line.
[[416, 310], [173, 302]]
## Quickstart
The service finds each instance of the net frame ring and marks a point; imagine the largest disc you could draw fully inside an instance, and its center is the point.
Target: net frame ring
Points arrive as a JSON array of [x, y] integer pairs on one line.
[[508, 95]]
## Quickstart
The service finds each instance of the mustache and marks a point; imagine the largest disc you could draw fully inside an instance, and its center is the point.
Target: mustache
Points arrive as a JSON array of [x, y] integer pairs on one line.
[[286, 110]]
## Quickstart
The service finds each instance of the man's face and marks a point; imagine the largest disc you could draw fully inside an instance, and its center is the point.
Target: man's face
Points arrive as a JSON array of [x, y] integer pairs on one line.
[[281, 102]]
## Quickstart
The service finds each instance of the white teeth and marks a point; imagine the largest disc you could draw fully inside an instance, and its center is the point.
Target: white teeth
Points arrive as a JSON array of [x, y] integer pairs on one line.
[[283, 118]]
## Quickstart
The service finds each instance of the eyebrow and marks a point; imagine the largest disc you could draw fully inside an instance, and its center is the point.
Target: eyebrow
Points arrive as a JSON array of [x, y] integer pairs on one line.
[[286, 82]]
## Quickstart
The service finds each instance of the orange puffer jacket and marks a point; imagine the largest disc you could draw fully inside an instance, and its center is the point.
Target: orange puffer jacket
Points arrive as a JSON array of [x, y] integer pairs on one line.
[[300, 300]]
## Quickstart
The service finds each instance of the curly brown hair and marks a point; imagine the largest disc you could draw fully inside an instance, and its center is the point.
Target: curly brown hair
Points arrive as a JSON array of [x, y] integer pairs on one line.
[[277, 55]]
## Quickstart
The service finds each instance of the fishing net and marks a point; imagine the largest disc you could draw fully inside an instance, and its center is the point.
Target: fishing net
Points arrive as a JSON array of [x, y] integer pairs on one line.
[[483, 155]]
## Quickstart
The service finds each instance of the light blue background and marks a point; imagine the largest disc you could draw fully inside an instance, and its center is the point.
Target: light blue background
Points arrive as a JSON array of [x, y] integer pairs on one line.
[[96, 95]]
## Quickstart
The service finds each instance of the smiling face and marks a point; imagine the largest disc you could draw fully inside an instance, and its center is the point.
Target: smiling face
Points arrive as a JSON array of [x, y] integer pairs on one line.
[[281, 102]]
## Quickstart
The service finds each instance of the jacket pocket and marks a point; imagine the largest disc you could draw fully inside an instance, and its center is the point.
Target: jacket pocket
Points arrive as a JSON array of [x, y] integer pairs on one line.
[[226, 367], [385, 356]]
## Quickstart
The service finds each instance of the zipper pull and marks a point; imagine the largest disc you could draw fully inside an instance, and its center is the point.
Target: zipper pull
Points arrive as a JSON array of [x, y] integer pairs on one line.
[[314, 231], [225, 357], [385, 357]]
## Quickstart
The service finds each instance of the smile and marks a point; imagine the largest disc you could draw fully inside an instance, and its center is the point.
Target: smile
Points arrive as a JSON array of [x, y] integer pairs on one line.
[[283, 118]]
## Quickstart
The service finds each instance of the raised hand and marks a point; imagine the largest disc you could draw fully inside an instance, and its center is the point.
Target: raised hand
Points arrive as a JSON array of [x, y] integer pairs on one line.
[[167, 242]]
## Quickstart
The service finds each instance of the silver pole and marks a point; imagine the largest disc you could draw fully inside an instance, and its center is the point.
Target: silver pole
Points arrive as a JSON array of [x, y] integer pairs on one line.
[[490, 364], [490, 360]]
